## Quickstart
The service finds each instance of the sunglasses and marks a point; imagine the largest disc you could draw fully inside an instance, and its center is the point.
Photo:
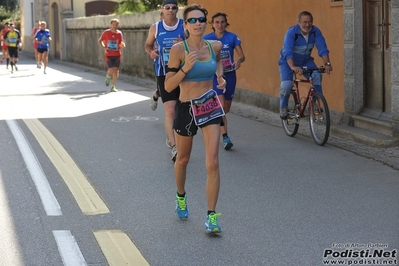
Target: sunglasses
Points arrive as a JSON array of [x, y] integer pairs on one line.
[[194, 20], [170, 7]]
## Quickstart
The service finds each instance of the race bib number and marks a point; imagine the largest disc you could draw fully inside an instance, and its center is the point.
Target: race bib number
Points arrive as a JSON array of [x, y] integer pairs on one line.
[[112, 45], [206, 108], [226, 62], [45, 41], [165, 54], [13, 40]]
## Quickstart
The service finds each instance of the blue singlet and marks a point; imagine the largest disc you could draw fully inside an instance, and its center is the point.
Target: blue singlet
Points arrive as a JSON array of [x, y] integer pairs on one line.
[[202, 70]]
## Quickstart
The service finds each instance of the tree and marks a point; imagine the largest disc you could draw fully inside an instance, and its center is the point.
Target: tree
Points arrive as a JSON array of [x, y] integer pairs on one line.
[[135, 6], [9, 5]]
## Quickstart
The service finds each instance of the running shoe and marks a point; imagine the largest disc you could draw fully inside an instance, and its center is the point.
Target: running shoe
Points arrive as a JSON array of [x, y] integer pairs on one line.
[[40, 65], [212, 224], [153, 103], [37, 65], [174, 153], [168, 144], [113, 89], [181, 207], [16, 68], [227, 144], [107, 80]]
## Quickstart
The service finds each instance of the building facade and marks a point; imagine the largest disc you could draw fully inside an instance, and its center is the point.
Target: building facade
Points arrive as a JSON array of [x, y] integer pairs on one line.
[[363, 39], [54, 12]]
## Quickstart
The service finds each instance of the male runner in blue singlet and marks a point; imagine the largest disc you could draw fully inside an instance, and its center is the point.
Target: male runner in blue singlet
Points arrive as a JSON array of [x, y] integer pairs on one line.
[[164, 34]]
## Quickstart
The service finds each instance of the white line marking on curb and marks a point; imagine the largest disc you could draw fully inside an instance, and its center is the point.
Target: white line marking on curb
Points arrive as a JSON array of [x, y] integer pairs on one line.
[[50, 203], [68, 248]]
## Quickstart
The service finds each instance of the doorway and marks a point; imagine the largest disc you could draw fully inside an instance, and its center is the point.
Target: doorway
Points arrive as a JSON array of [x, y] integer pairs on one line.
[[56, 31], [377, 68]]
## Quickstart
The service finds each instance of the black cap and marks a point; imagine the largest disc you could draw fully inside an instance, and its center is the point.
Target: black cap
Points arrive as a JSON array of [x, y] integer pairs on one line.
[[165, 2]]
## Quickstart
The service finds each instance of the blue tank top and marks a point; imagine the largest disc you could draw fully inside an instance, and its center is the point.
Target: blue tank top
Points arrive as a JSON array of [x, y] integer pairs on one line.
[[201, 70], [164, 40]]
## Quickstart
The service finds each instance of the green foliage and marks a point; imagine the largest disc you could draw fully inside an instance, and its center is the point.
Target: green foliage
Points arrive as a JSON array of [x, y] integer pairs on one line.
[[9, 5], [9, 16], [136, 6], [130, 6]]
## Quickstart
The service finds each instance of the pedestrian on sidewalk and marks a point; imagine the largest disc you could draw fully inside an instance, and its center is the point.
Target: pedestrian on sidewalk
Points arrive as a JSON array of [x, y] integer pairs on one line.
[[112, 42], [193, 64], [164, 34], [43, 39], [231, 43]]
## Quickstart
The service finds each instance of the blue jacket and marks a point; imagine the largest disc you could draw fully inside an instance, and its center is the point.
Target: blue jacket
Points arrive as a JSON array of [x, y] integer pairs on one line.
[[295, 46]]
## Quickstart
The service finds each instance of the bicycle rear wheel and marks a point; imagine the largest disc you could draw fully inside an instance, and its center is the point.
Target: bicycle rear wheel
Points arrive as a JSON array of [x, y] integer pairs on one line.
[[291, 124], [319, 119]]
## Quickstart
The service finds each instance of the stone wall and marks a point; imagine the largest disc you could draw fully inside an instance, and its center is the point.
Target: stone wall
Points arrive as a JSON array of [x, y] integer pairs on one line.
[[81, 42], [395, 66]]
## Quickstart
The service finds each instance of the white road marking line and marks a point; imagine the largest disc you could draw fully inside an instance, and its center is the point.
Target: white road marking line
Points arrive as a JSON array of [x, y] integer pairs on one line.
[[68, 248], [50, 203]]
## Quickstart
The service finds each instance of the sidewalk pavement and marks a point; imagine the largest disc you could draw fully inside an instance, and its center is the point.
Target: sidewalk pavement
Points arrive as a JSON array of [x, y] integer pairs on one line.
[[388, 156]]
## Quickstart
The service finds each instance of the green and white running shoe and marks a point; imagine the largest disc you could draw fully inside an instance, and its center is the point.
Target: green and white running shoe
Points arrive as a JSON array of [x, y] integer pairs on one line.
[[181, 207], [107, 80], [212, 224]]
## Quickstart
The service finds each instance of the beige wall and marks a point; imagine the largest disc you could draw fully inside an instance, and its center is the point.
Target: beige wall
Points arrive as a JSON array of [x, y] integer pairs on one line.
[[261, 27]]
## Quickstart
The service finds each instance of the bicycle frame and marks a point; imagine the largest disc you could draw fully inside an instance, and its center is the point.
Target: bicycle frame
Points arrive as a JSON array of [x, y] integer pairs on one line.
[[303, 104]]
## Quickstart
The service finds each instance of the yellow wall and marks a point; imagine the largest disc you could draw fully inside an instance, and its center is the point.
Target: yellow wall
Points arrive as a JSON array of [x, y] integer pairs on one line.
[[261, 26]]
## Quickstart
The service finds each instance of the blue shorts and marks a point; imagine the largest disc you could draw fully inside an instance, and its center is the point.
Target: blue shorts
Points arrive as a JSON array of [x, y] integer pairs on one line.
[[42, 50], [231, 81]]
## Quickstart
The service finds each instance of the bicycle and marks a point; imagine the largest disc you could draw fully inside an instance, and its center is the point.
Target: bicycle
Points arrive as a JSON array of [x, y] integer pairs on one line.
[[319, 114]]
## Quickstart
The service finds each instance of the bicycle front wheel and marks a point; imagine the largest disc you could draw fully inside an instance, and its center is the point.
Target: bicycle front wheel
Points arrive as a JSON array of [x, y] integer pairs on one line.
[[319, 119], [291, 123]]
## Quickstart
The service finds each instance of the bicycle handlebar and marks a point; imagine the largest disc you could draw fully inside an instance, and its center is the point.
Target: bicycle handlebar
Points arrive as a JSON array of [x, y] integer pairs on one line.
[[319, 69]]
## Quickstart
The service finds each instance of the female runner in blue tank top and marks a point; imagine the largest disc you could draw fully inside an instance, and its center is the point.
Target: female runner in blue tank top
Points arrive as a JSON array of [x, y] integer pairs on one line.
[[231, 43], [192, 65]]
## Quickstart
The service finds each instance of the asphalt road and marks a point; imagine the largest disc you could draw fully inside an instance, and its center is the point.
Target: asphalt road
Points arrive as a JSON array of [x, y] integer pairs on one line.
[[284, 201]]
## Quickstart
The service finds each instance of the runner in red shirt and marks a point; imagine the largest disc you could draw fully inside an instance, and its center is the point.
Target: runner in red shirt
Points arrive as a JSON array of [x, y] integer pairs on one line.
[[4, 46], [111, 41], [32, 35]]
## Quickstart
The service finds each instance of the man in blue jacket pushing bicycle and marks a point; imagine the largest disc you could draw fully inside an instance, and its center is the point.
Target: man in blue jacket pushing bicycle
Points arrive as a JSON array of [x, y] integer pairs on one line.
[[299, 42]]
